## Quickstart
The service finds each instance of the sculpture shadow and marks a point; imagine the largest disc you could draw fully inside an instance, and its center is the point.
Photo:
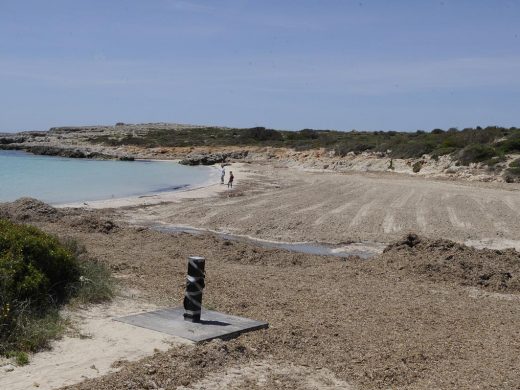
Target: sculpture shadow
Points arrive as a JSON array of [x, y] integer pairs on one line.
[[215, 323]]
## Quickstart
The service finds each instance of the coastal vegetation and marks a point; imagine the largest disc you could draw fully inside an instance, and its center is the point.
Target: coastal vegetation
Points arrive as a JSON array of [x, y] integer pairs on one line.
[[487, 145], [514, 170], [38, 275]]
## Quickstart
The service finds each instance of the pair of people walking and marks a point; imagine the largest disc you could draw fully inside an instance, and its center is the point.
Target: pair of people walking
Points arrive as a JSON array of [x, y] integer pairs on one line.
[[223, 176]]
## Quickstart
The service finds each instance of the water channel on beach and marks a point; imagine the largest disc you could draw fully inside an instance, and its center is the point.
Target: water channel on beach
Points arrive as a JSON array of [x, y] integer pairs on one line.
[[364, 250]]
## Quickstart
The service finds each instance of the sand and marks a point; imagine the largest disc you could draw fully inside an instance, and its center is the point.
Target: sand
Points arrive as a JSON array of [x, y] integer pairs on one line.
[[433, 315], [276, 203], [371, 324], [94, 343], [262, 374]]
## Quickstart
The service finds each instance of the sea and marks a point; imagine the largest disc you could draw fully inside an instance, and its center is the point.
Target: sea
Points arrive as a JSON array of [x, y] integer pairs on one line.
[[57, 180]]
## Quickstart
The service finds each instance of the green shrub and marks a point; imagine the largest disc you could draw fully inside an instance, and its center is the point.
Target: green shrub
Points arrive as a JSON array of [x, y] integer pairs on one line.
[[342, 150], [21, 358], [453, 142], [412, 149], [442, 152], [95, 285], [515, 163], [31, 331], [476, 153], [309, 133], [34, 266], [513, 172], [417, 166], [37, 275], [510, 145], [495, 160], [401, 144], [263, 134]]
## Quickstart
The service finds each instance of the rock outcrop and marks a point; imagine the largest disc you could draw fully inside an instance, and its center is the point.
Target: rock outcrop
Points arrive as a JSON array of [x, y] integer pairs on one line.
[[213, 158], [44, 150]]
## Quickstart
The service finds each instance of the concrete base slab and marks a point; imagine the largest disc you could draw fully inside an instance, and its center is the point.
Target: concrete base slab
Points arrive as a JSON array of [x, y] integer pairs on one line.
[[213, 324]]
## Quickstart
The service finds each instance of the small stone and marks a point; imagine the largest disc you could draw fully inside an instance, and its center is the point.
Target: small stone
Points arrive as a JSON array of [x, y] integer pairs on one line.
[[8, 368]]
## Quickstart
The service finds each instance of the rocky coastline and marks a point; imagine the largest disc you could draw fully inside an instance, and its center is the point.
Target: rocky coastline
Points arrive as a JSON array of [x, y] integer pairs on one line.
[[82, 142], [44, 150]]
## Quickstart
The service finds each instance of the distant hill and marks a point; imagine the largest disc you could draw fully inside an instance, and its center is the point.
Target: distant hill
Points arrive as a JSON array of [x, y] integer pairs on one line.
[[489, 144]]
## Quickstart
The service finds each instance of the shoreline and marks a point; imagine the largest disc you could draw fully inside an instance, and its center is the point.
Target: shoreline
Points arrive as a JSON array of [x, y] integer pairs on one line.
[[207, 189], [165, 192]]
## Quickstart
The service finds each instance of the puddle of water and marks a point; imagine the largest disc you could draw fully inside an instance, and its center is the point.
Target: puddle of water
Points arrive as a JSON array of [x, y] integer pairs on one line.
[[494, 243], [364, 250], [178, 229]]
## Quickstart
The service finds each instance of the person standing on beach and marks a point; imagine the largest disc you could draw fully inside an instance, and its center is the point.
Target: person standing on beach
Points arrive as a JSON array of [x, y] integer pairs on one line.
[[230, 182], [222, 174]]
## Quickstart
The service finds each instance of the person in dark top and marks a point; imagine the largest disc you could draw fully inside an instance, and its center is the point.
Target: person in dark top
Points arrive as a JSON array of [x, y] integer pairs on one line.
[[222, 174], [230, 182]]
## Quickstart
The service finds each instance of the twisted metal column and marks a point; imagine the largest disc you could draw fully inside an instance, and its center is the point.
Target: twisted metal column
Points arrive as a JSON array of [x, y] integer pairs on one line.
[[194, 286]]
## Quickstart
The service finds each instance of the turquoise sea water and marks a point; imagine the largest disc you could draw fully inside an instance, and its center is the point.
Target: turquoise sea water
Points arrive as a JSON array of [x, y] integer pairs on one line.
[[61, 180]]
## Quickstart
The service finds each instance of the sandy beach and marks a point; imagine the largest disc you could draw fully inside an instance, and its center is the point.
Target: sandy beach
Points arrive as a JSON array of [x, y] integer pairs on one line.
[[406, 318], [290, 204], [368, 237]]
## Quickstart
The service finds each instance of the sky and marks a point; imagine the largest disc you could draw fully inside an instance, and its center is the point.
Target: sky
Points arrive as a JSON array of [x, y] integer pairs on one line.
[[284, 64]]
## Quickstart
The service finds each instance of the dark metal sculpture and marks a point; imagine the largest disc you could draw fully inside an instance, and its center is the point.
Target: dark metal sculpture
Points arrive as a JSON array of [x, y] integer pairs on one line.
[[194, 286]]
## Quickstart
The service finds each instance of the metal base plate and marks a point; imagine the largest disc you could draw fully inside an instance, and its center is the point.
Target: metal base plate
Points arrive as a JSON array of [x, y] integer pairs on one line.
[[212, 325]]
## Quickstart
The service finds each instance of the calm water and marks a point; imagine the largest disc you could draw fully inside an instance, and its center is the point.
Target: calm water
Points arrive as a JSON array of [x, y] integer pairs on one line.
[[60, 180], [364, 250]]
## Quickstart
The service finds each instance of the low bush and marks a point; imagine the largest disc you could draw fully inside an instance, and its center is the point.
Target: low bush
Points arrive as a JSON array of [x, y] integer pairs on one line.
[[21, 358], [515, 163], [412, 149], [37, 275], [442, 152], [95, 283], [495, 160], [34, 266], [476, 153], [341, 150], [472, 144], [262, 134], [510, 145], [513, 172], [417, 167]]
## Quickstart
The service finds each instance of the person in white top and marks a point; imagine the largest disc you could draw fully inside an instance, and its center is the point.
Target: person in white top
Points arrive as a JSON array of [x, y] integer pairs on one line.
[[222, 174]]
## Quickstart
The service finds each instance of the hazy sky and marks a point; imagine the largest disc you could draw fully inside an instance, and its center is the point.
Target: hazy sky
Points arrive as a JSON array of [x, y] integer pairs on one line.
[[374, 65]]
